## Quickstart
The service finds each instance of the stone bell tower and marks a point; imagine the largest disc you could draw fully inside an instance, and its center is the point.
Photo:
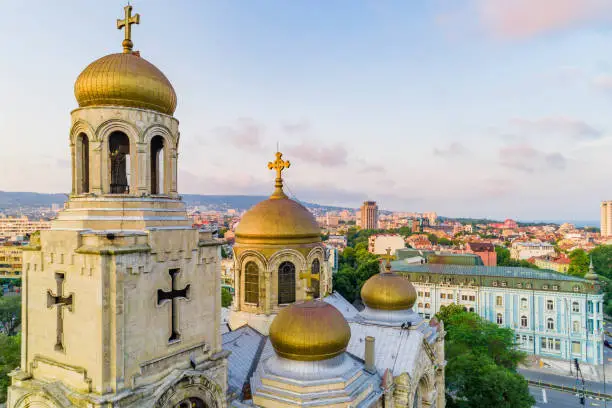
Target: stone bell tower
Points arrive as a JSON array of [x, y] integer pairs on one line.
[[121, 297]]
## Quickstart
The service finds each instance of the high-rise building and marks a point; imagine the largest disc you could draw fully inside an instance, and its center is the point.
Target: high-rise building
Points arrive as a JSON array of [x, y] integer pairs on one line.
[[369, 215], [606, 218]]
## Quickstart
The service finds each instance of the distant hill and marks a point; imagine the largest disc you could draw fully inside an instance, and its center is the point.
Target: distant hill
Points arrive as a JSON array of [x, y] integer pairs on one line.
[[12, 200]]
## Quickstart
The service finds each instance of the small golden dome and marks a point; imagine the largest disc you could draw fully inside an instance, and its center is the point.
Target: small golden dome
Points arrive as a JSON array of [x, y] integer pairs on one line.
[[125, 79], [309, 331], [278, 220], [388, 291]]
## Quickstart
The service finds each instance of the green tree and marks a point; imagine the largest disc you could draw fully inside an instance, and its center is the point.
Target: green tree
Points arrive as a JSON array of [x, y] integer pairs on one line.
[[10, 347], [602, 260], [10, 314], [482, 362], [503, 256], [226, 297], [579, 263]]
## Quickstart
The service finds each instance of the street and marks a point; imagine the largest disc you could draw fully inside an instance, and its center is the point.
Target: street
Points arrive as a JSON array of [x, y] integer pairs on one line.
[[558, 399], [563, 380]]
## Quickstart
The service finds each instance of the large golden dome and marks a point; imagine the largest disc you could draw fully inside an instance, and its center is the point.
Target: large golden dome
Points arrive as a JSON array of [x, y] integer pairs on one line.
[[278, 220], [309, 331], [125, 79], [388, 291]]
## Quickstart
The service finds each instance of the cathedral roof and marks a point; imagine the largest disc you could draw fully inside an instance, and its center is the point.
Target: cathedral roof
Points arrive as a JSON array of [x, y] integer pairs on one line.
[[125, 79], [310, 331], [279, 219]]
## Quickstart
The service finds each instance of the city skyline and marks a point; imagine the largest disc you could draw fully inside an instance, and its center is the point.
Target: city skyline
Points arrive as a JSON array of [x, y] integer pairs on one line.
[[361, 105]]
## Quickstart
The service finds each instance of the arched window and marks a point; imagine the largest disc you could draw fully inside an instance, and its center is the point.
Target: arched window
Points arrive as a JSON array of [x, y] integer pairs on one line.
[[427, 305], [524, 303], [251, 283], [575, 307], [286, 283], [550, 305], [500, 318], [82, 163], [157, 165], [550, 324], [420, 305], [523, 321], [315, 269], [119, 152]]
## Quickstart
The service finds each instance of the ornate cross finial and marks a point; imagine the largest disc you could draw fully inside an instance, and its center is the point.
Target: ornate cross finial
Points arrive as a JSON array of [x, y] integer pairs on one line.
[[279, 165], [127, 23], [388, 257]]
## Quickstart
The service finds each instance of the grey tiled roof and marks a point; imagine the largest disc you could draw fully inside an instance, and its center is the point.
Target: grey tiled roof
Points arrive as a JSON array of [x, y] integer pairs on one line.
[[489, 271], [244, 343]]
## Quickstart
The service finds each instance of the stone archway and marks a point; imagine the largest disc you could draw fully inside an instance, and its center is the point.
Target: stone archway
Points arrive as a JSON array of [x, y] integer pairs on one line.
[[192, 391]]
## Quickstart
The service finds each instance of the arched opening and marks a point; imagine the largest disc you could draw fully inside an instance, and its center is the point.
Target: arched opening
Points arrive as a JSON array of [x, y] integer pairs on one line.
[[286, 283], [500, 318], [550, 324], [251, 283], [157, 165], [191, 403], [315, 269], [119, 152], [82, 163], [523, 321]]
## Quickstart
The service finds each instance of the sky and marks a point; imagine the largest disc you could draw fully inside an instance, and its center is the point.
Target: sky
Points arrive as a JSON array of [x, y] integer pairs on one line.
[[475, 108]]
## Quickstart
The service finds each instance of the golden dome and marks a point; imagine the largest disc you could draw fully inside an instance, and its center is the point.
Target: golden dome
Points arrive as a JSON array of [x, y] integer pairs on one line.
[[278, 220], [388, 291], [125, 79], [309, 331]]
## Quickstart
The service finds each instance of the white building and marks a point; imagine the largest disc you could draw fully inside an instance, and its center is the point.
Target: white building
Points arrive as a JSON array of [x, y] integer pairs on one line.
[[526, 250], [379, 243], [552, 314]]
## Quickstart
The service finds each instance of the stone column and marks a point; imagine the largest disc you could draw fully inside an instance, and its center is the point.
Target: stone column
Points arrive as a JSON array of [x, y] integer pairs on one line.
[[141, 181]]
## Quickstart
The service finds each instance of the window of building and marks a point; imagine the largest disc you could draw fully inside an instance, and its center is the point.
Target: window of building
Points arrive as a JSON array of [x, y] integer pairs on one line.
[[576, 326], [157, 165], [500, 319], [420, 294], [315, 269], [82, 154], [449, 296], [590, 306], [504, 284], [119, 152], [420, 305], [442, 295], [550, 305], [524, 303], [575, 307], [286, 283], [464, 297], [523, 321], [494, 283], [472, 298], [427, 305], [576, 347], [557, 345], [550, 324], [555, 287], [427, 316], [471, 309], [597, 307], [427, 294], [251, 283], [545, 287], [499, 301]]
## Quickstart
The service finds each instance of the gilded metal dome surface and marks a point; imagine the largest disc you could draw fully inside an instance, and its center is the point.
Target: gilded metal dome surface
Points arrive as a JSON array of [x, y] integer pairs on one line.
[[388, 291], [278, 220], [310, 331], [125, 79]]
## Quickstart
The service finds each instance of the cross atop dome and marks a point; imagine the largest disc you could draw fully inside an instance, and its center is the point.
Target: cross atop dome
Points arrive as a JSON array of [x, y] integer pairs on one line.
[[279, 165], [127, 24]]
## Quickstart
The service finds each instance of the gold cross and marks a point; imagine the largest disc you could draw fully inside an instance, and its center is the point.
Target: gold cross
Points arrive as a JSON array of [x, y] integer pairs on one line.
[[309, 276], [279, 165], [388, 257], [127, 23]]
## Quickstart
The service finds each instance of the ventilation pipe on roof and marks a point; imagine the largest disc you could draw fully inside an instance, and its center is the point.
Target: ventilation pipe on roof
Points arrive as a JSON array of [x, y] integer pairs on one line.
[[370, 365]]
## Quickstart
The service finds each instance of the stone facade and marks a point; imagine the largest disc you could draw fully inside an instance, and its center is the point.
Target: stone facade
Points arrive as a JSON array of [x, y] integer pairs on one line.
[[121, 297]]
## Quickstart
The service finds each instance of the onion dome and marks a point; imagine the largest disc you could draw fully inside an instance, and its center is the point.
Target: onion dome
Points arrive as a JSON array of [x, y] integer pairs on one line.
[[309, 331], [125, 79], [278, 220], [388, 291]]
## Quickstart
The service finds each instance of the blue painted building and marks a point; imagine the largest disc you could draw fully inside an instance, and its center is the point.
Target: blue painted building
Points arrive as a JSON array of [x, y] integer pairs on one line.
[[552, 314]]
